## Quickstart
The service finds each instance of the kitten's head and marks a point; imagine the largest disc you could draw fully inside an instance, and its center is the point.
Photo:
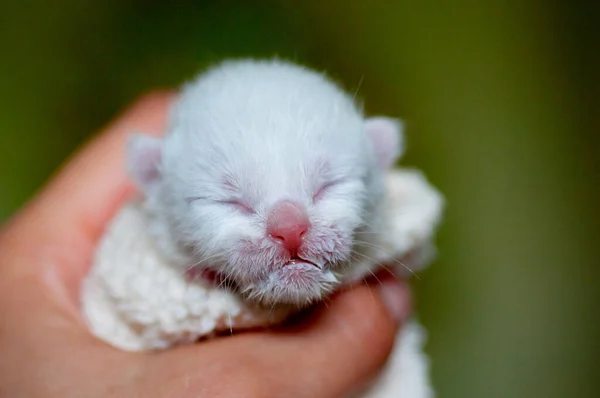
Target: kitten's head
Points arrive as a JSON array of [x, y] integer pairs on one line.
[[267, 172]]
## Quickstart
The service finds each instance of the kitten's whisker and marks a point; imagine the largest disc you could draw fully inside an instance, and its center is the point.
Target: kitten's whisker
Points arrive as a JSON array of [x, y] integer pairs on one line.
[[358, 87], [393, 259], [202, 261]]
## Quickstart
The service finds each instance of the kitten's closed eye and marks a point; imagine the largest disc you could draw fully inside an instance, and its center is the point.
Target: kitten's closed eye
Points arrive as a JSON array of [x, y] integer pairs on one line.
[[235, 203], [325, 188], [238, 204]]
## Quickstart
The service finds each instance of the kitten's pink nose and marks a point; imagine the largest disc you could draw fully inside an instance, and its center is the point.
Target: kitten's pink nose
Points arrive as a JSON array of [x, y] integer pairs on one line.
[[288, 222]]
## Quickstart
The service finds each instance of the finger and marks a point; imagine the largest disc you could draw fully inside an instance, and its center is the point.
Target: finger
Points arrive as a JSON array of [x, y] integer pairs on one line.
[[346, 343]]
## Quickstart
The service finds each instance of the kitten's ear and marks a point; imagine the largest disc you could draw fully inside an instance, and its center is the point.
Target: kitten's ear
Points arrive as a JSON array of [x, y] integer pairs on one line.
[[386, 136], [144, 154]]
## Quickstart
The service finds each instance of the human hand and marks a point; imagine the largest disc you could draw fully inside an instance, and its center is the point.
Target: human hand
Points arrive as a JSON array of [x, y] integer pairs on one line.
[[47, 351]]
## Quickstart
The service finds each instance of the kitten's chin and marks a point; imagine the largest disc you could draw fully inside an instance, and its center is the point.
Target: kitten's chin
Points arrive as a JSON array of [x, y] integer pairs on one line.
[[297, 283]]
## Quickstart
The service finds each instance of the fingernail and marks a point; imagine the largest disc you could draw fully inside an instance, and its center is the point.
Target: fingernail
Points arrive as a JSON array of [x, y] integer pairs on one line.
[[396, 297]]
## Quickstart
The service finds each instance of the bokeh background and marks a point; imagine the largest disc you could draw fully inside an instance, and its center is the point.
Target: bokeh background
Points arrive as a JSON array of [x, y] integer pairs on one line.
[[501, 101]]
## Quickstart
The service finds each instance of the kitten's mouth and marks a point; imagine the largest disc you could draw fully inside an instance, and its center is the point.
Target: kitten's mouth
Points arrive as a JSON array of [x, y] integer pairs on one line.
[[297, 281], [299, 261], [216, 278]]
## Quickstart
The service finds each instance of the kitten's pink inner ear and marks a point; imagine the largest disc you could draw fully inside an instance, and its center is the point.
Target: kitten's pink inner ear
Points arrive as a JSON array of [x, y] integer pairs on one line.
[[386, 137], [143, 161]]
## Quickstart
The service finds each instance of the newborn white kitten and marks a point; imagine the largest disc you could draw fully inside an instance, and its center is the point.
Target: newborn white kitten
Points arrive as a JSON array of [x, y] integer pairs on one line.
[[269, 176], [269, 190]]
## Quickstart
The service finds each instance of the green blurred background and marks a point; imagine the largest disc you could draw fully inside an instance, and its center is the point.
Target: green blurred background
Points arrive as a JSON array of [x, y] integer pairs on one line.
[[501, 102]]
